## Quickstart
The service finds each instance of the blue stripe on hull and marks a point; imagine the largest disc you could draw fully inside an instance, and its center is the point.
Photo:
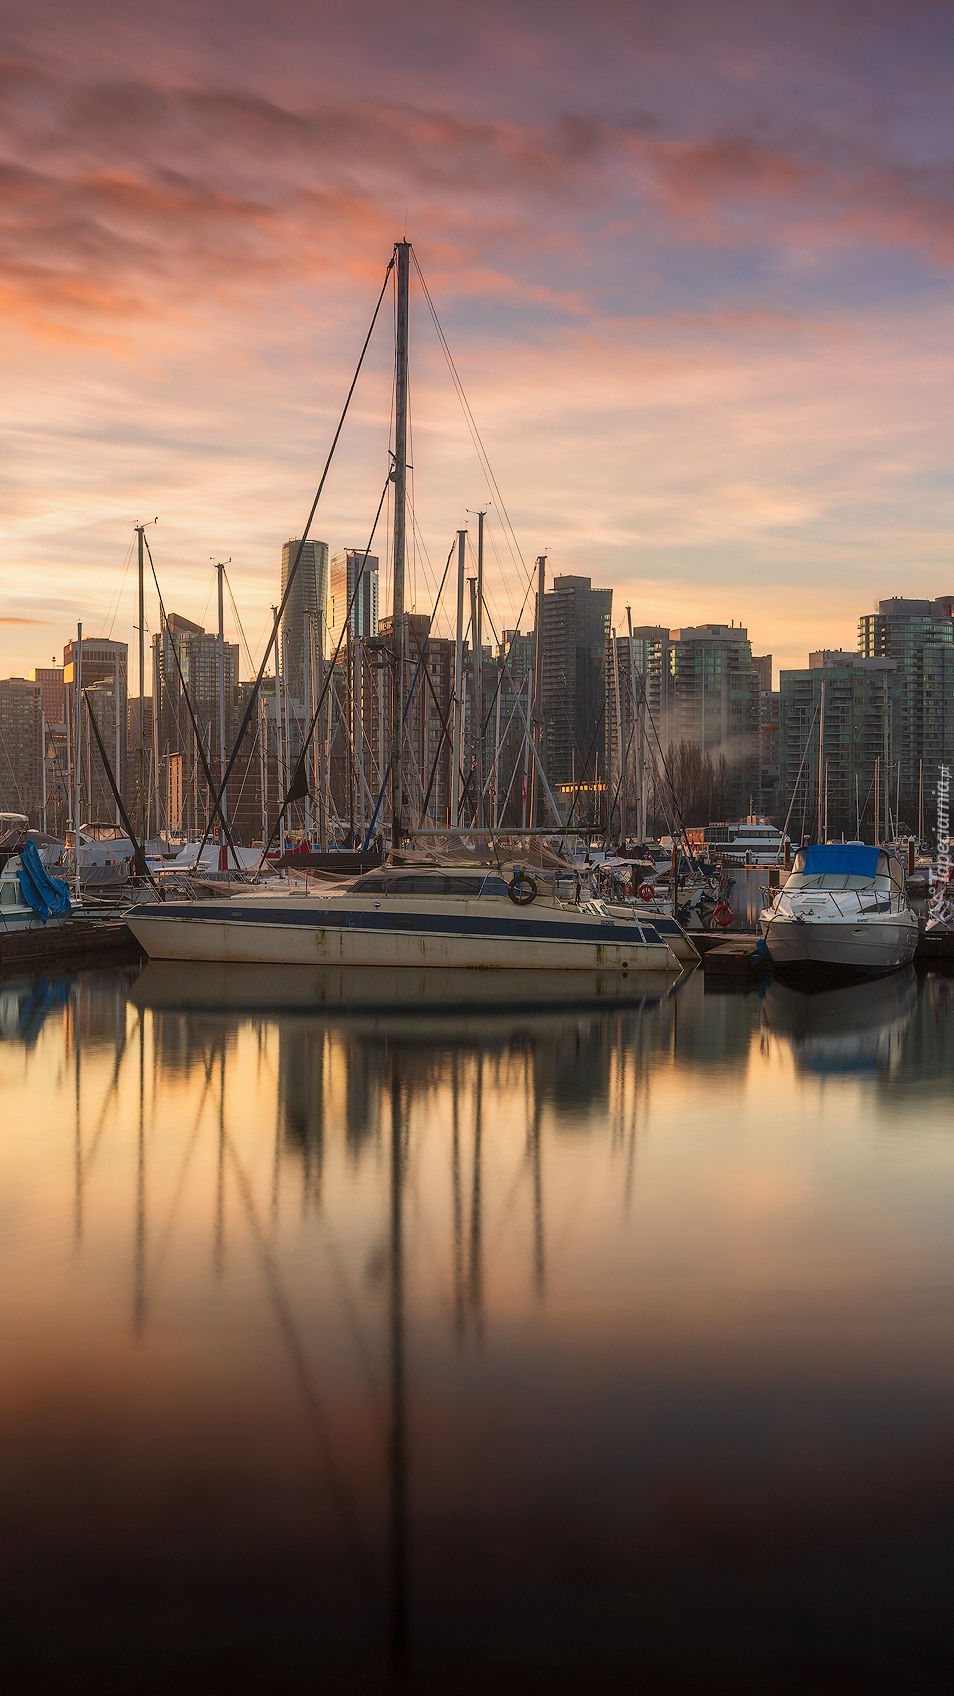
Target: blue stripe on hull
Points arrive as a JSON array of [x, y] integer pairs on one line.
[[420, 924]]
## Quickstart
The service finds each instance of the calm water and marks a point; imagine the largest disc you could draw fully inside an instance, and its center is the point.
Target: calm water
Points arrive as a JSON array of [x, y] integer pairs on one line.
[[484, 1350]]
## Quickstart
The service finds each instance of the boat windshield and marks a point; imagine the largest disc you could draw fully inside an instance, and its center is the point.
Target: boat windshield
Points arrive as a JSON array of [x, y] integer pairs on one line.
[[435, 884], [835, 881], [845, 865]]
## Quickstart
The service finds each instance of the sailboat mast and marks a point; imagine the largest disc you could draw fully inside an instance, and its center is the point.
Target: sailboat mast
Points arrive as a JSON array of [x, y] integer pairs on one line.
[[478, 634], [402, 251], [537, 730], [220, 569], [140, 532]]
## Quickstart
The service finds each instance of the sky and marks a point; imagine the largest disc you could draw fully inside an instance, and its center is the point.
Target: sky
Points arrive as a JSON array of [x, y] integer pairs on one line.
[[693, 261]]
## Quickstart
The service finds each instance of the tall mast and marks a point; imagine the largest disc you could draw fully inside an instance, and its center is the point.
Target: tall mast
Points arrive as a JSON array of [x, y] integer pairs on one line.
[[478, 623], [77, 751], [402, 251], [456, 751], [223, 860], [279, 766], [141, 797], [537, 688]]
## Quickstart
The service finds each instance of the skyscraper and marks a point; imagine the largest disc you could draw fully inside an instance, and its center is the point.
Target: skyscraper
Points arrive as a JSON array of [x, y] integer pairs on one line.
[[574, 624], [831, 731], [309, 596], [104, 671], [345, 567], [714, 704], [919, 636], [21, 748]]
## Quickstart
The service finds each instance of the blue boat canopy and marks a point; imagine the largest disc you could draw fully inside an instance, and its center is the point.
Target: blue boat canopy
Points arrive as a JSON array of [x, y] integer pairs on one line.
[[45, 894], [843, 859]]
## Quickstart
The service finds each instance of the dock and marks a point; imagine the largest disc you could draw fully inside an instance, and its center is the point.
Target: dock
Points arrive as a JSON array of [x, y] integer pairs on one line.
[[737, 957], [69, 947]]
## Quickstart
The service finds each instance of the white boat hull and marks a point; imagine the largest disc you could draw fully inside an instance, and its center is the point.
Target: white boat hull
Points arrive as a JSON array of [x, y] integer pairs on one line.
[[877, 944], [468, 934]]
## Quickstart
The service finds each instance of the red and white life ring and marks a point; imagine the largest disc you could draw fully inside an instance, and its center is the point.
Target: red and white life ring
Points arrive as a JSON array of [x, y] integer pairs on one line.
[[723, 915], [647, 892]]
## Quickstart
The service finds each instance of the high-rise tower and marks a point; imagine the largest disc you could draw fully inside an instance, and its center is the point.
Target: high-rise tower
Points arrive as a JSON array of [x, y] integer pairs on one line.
[[309, 595]]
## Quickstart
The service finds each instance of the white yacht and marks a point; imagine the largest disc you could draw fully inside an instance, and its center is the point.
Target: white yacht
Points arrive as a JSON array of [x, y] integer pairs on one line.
[[756, 841], [409, 916], [843, 905]]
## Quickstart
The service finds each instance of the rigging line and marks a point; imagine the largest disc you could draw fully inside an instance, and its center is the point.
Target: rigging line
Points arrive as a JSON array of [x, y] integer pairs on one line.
[[300, 767], [139, 857], [197, 734], [477, 443], [489, 534], [253, 698], [407, 705], [114, 607], [469, 417], [207, 600], [675, 800], [238, 621], [576, 792], [13, 774]]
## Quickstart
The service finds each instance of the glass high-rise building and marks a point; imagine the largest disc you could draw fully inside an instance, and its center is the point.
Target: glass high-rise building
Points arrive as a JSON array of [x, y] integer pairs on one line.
[[919, 636], [345, 568], [575, 625], [306, 615]]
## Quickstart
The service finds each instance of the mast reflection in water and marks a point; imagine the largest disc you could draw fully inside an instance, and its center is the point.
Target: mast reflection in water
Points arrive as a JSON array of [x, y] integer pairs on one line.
[[472, 1347]]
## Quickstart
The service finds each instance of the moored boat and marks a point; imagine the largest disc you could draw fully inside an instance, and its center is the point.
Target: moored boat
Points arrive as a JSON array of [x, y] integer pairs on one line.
[[408, 916], [29, 897], [844, 906]]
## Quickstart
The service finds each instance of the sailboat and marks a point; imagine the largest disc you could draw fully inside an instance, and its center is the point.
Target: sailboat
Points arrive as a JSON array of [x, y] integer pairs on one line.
[[482, 917]]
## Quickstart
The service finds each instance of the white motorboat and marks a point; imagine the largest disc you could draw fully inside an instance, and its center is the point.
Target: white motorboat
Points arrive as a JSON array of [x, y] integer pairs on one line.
[[844, 905], [404, 916]]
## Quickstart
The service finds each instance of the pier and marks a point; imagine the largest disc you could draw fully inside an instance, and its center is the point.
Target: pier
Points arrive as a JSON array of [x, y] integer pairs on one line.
[[79, 943]]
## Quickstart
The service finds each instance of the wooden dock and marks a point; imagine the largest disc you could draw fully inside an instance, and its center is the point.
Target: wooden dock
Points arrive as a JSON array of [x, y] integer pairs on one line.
[[77, 944]]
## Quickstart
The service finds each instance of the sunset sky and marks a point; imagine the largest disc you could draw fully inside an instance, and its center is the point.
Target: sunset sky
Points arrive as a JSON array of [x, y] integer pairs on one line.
[[694, 261]]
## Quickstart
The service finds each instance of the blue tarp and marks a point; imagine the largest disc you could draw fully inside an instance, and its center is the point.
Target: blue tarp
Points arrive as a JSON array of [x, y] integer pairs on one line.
[[842, 859], [45, 894]]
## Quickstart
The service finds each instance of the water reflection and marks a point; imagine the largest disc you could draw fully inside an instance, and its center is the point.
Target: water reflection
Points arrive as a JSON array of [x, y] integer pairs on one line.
[[858, 1026], [498, 1343]]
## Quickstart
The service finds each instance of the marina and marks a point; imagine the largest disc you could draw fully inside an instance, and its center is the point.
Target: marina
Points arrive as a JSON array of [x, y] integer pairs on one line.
[[476, 1014]]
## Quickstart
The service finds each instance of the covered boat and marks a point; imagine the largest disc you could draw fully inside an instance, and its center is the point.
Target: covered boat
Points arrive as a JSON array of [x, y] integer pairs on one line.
[[843, 906]]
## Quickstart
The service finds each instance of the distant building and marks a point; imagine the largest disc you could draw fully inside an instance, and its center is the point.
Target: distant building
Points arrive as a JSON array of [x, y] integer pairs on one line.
[[344, 573], [104, 684], [306, 615], [762, 666], [714, 705], [198, 659], [574, 625], [21, 748], [832, 725], [919, 636], [53, 690], [769, 700]]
